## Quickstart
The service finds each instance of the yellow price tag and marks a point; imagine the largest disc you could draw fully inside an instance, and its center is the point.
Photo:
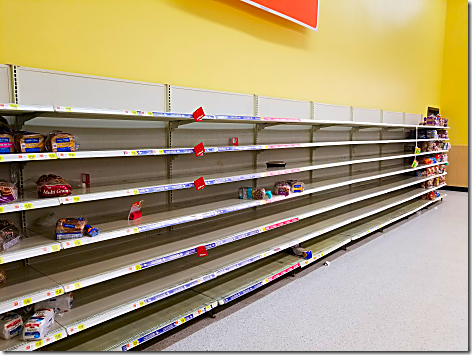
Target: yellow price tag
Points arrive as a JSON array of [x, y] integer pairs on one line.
[[77, 242], [28, 206], [14, 106], [135, 342], [141, 304], [27, 301], [31, 156], [38, 344], [161, 151], [59, 291], [136, 192], [77, 285], [137, 267], [208, 307], [76, 199], [68, 109], [1, 158], [52, 156], [71, 155], [133, 152], [134, 112], [266, 280], [321, 254], [55, 247], [1, 260], [182, 320], [2, 210], [58, 336], [81, 327], [135, 230], [149, 113]]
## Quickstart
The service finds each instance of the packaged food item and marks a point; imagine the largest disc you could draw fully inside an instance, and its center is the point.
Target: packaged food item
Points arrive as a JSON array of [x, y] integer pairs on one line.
[[436, 182], [70, 228], [11, 325], [253, 193], [432, 133], [57, 141], [299, 251], [9, 234], [53, 186], [29, 142], [296, 186], [282, 188], [414, 164], [39, 324], [59, 304], [90, 231], [7, 145], [8, 192], [429, 183]]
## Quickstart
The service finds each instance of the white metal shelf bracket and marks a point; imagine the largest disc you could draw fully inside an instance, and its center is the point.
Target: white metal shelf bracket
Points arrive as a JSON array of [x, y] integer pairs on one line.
[[261, 126], [176, 124]]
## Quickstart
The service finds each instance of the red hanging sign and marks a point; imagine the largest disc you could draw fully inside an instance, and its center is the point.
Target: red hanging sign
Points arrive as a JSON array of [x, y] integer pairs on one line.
[[202, 251], [199, 149], [235, 141], [198, 114], [199, 183]]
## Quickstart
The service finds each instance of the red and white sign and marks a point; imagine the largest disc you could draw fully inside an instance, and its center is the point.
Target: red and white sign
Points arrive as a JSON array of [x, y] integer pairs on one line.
[[199, 149], [199, 183], [202, 251], [303, 12], [198, 114]]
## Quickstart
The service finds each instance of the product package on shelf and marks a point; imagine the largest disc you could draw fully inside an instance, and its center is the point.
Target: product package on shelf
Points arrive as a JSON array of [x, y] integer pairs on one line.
[[254, 193], [90, 231], [70, 228], [7, 145], [39, 324], [282, 188], [29, 142], [296, 186], [8, 192], [11, 325], [9, 234], [53, 186], [59, 304], [435, 120], [3, 276], [299, 251], [57, 141]]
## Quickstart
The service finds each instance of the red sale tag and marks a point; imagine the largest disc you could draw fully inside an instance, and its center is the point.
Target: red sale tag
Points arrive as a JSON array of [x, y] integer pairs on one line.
[[199, 183], [235, 141], [199, 149], [198, 114], [202, 251]]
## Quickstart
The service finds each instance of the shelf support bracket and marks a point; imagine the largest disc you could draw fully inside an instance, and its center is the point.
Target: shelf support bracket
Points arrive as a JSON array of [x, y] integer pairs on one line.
[[173, 125], [261, 126], [20, 120]]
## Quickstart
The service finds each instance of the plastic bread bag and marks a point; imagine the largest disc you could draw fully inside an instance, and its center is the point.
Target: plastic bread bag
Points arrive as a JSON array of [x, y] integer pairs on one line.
[[59, 304], [296, 186], [9, 234], [3, 276], [11, 325], [7, 144], [39, 324], [282, 188], [58, 141], [29, 142], [53, 186], [8, 192], [70, 228]]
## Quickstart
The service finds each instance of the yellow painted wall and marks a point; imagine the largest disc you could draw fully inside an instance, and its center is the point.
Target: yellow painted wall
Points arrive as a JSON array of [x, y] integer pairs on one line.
[[369, 53], [454, 89]]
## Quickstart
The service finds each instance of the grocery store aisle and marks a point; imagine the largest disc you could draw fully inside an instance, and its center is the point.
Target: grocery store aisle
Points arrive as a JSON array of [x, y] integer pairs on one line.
[[405, 290]]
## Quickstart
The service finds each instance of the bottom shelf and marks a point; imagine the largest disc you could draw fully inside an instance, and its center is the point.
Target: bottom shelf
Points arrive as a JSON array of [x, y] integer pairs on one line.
[[135, 328]]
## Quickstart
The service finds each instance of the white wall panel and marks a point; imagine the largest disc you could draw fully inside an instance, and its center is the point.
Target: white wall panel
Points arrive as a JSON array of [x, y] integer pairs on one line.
[[187, 100], [393, 117], [412, 118], [283, 108], [45, 87], [5, 84], [367, 115], [325, 112]]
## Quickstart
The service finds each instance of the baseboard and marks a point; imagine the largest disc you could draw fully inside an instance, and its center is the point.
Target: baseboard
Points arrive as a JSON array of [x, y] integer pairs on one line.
[[455, 188]]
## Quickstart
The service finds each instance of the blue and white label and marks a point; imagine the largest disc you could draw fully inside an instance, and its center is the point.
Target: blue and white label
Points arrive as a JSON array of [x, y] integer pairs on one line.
[[250, 118], [243, 292], [238, 237], [237, 265]]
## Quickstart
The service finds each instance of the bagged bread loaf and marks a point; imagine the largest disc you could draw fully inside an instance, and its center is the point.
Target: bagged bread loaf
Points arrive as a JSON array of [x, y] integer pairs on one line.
[[70, 228], [53, 186], [39, 324], [57, 141], [9, 234], [282, 188], [59, 304], [6, 138], [10, 325], [8, 192], [29, 142]]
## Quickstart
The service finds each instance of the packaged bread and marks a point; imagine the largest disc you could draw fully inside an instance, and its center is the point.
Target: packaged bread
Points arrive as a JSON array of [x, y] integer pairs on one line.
[[58, 141], [59, 304], [11, 325], [53, 186], [8, 192], [39, 324], [6, 138], [282, 188], [29, 142], [70, 228], [296, 186], [9, 234]]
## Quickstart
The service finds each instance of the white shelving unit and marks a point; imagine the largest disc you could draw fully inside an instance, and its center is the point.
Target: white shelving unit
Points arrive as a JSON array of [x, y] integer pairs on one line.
[[139, 279]]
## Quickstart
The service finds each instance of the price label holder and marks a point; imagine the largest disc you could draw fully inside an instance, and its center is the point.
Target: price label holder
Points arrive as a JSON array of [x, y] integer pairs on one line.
[[199, 183], [202, 251], [199, 149], [198, 114]]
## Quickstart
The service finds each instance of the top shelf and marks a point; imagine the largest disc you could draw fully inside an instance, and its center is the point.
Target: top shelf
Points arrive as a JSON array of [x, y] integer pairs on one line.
[[9, 109]]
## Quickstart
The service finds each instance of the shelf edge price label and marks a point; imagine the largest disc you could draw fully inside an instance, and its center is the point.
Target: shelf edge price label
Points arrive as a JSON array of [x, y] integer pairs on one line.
[[38, 344], [27, 301], [58, 336], [52, 156], [137, 267], [77, 243], [81, 326], [1, 260], [76, 198], [55, 247], [2, 209], [77, 285], [141, 304], [28, 206], [135, 342], [133, 152], [71, 155], [59, 291], [14, 107], [31, 156]]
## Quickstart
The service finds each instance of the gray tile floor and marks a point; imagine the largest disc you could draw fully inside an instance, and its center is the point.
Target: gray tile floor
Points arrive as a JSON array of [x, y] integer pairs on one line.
[[406, 289]]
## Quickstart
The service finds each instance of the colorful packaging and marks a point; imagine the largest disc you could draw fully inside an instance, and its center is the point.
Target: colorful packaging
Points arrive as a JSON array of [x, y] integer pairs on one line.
[[282, 188], [9, 234], [58, 141], [90, 231], [8, 192], [11, 325], [53, 186], [7, 145], [414, 164], [296, 186], [39, 325], [28, 142], [60, 304], [70, 228], [432, 133]]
